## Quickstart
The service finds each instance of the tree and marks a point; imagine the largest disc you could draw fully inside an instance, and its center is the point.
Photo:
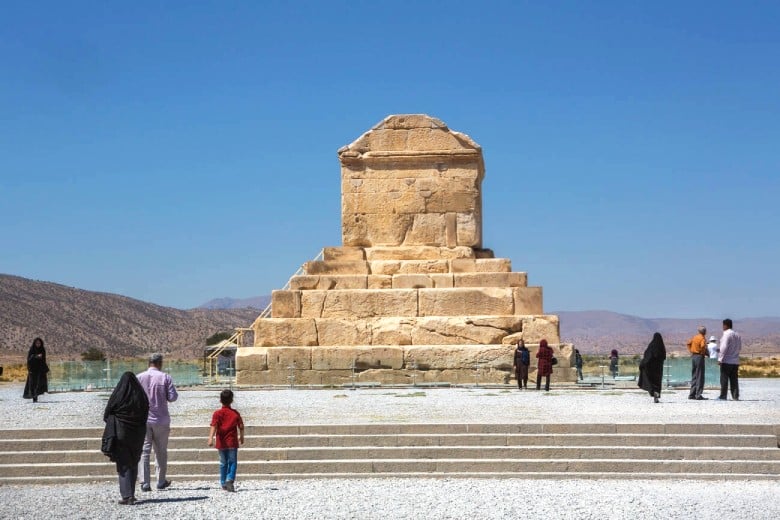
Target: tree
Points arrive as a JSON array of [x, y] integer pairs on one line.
[[93, 354], [216, 338]]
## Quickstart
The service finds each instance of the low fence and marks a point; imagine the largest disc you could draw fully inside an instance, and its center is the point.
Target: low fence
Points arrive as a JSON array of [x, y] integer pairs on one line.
[[93, 375], [676, 370]]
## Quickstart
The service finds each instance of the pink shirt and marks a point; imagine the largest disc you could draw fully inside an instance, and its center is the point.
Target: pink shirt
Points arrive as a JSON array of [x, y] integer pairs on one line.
[[160, 390]]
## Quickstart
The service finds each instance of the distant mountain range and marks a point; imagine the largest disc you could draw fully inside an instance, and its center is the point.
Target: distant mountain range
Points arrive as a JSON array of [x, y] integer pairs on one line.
[[71, 320]]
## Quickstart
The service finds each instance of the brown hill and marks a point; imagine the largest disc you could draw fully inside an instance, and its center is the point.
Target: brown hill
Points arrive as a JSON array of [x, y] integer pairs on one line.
[[72, 320], [598, 332]]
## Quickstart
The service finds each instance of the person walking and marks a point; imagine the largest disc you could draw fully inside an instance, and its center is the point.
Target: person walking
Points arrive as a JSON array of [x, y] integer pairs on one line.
[[613, 363], [697, 346], [160, 390], [651, 368], [37, 371], [227, 428], [578, 364], [544, 365], [123, 438], [521, 362], [728, 359]]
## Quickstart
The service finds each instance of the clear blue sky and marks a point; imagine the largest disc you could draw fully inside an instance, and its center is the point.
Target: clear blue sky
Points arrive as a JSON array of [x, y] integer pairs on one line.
[[177, 153]]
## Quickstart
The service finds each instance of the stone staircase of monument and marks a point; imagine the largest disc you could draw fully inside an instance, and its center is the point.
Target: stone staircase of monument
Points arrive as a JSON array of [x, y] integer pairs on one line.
[[701, 451]]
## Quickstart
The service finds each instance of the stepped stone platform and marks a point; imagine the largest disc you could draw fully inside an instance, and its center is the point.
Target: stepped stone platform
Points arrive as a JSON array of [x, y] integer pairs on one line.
[[411, 295], [647, 451]]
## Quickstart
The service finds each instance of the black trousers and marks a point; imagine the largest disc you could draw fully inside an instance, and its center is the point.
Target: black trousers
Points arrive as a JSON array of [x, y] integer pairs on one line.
[[539, 381], [729, 375], [127, 477], [697, 376]]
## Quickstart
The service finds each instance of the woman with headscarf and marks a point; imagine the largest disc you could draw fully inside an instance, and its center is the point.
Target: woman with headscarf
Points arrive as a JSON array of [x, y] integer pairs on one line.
[[37, 370], [123, 438], [544, 367], [522, 359], [614, 359], [651, 368]]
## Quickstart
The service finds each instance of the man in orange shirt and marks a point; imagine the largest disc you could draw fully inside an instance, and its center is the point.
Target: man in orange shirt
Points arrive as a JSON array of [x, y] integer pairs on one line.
[[697, 346]]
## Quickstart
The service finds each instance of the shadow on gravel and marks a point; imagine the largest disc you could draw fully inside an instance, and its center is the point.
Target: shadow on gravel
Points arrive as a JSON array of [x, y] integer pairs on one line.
[[170, 500]]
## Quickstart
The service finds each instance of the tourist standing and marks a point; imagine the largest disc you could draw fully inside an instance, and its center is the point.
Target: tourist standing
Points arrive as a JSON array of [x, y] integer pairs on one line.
[[123, 438], [613, 363], [712, 348], [651, 368], [521, 363], [228, 429], [728, 359], [37, 371], [545, 364], [697, 346], [160, 389], [578, 364]]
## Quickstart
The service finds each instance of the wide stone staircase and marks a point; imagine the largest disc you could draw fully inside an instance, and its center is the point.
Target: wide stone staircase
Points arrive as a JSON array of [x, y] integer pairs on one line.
[[700, 451]]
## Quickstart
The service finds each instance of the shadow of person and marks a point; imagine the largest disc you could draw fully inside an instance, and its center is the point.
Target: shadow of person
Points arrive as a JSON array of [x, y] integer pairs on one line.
[[171, 500]]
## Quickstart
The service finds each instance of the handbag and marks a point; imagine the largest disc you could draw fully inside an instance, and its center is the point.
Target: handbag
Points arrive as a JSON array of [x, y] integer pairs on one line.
[[554, 361]]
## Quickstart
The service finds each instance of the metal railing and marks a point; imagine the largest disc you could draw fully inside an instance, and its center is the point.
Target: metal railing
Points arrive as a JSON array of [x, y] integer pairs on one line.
[[266, 313]]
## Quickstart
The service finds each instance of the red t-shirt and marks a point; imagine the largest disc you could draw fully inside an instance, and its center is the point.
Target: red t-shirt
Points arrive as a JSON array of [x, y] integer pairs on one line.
[[227, 421]]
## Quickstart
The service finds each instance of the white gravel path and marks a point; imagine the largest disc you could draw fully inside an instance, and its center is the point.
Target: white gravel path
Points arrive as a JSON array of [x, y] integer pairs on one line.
[[410, 498]]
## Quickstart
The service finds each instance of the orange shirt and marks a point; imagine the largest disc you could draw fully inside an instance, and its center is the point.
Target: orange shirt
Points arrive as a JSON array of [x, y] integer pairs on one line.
[[698, 345]]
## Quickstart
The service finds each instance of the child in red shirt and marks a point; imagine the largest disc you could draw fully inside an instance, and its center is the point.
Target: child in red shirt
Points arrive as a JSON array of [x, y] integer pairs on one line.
[[228, 428]]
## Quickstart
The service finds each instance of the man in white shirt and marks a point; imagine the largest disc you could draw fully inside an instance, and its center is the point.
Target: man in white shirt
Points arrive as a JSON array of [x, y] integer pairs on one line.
[[712, 348], [728, 359]]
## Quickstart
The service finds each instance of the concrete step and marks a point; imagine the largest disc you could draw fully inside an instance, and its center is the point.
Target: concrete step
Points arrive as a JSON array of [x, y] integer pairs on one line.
[[386, 440], [433, 468], [435, 450], [416, 453], [434, 428]]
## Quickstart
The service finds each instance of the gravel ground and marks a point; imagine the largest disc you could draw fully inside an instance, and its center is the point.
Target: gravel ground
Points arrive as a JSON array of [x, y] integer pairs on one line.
[[410, 498]]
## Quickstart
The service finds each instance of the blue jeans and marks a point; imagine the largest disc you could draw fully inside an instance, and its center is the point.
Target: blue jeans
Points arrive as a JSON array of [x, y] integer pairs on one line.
[[228, 460]]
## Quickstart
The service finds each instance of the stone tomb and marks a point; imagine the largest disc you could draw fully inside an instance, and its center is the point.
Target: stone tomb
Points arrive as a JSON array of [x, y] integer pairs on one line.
[[411, 295]]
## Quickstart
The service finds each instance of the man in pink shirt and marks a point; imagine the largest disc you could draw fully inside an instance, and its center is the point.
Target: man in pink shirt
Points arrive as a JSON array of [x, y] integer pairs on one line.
[[160, 389]]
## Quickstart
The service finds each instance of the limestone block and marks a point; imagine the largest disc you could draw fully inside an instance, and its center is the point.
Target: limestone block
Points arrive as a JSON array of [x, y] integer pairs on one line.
[[444, 357], [286, 304], [385, 267], [489, 279], [367, 303], [493, 265], [260, 378], [392, 331], [463, 265], [428, 229], [451, 229], [447, 200], [335, 267], [331, 331], [281, 358], [270, 332], [565, 354], [469, 229], [441, 280], [311, 303], [512, 339], [537, 328], [304, 282], [322, 377], [466, 301], [528, 300], [460, 330], [359, 229], [394, 201], [379, 281], [484, 253], [388, 377], [412, 281], [423, 266], [343, 254], [473, 377], [417, 253], [251, 358], [364, 357], [327, 282]]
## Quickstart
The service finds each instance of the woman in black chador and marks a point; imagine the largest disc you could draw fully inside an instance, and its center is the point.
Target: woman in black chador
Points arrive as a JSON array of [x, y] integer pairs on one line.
[[651, 368], [37, 382], [123, 437]]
